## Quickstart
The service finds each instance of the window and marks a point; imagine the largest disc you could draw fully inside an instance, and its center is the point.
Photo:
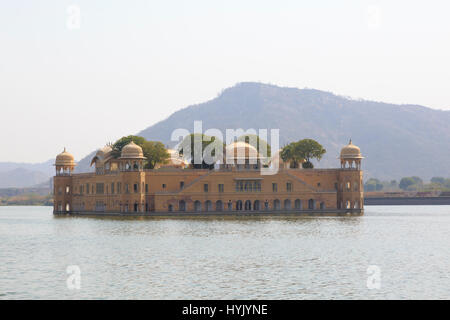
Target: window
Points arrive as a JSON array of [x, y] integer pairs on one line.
[[146, 188], [248, 186], [181, 185], [318, 184], [119, 187], [274, 187], [288, 186], [164, 186], [335, 186], [87, 188], [220, 187], [100, 188], [205, 187], [126, 188], [67, 189], [135, 188], [112, 188]]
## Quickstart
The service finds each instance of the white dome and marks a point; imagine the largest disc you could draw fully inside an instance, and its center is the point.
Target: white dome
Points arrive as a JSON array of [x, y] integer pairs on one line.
[[241, 150]]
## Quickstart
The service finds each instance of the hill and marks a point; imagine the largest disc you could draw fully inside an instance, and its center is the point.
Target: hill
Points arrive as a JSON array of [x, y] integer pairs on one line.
[[397, 140], [21, 175]]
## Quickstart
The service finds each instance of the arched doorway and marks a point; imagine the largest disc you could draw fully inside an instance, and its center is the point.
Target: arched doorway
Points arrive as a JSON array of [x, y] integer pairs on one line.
[[182, 205], [287, 204], [208, 205], [311, 204], [248, 205], [219, 205], [197, 205], [256, 205], [298, 204], [322, 205], [238, 205], [170, 208], [276, 204]]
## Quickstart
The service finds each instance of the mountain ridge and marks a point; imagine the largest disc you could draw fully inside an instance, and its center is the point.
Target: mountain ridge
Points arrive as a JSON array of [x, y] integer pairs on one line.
[[397, 139], [404, 132]]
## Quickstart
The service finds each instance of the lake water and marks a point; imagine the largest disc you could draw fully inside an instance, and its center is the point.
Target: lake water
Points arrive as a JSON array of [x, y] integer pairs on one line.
[[267, 258]]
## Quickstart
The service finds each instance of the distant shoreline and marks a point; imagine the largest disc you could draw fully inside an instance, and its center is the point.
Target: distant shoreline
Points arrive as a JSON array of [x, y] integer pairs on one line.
[[399, 201]]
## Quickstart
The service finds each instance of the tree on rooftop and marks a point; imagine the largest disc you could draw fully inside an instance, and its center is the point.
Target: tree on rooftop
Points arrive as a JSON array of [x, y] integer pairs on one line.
[[306, 149]]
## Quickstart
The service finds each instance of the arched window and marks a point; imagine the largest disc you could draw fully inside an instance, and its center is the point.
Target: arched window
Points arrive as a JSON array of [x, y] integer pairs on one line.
[[197, 205], [219, 205], [67, 207], [238, 205], [311, 204], [347, 204], [256, 205], [182, 205], [298, 204], [322, 205], [208, 205], [248, 205], [348, 186], [276, 204]]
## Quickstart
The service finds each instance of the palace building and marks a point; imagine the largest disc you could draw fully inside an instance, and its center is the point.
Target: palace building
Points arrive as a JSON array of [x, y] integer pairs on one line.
[[121, 186]]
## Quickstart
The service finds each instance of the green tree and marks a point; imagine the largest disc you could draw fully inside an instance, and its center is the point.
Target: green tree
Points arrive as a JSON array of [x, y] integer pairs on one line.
[[417, 180], [306, 149], [373, 185], [122, 142], [155, 152], [201, 145], [288, 154], [406, 182], [438, 180]]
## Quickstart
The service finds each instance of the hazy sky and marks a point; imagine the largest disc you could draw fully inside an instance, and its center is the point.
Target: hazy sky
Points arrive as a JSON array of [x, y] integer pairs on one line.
[[132, 63]]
